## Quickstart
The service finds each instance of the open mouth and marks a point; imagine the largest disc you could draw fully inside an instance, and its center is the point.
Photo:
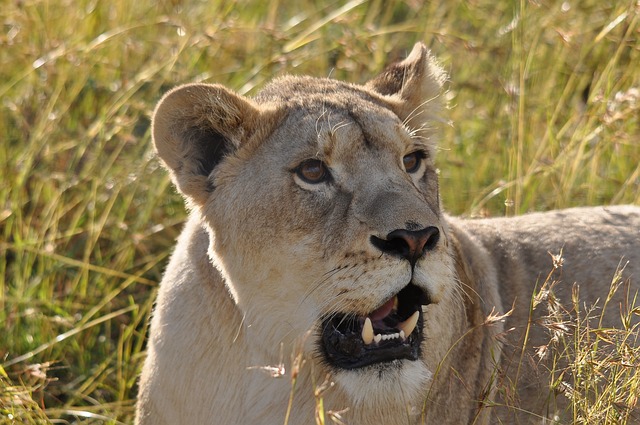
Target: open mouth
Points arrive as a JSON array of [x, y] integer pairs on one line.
[[393, 331]]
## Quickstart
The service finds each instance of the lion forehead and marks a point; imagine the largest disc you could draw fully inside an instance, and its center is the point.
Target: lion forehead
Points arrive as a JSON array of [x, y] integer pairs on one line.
[[309, 91], [337, 127], [336, 135]]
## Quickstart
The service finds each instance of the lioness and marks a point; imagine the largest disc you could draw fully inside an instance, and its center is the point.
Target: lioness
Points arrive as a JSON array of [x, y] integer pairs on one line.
[[318, 271]]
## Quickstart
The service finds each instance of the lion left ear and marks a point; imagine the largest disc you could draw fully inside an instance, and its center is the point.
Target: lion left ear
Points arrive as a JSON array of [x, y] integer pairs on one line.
[[196, 126], [413, 87]]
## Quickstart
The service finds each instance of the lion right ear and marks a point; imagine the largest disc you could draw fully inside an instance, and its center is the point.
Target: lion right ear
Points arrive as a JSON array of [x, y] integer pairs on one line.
[[413, 87], [194, 127]]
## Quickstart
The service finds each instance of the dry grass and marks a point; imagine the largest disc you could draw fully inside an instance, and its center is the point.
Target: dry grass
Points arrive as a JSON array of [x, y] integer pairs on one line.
[[545, 104], [593, 366]]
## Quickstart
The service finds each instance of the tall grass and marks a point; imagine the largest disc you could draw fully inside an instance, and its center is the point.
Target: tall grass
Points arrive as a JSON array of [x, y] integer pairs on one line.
[[545, 106], [593, 366]]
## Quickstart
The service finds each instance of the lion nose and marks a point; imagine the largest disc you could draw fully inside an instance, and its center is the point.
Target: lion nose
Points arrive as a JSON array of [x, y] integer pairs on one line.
[[408, 244]]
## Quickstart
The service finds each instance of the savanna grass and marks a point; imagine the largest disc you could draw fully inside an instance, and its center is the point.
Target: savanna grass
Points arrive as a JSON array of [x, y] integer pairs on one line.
[[595, 368], [544, 100]]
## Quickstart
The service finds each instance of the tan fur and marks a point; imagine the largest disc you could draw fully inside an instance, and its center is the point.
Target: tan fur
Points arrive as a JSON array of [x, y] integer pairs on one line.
[[265, 255]]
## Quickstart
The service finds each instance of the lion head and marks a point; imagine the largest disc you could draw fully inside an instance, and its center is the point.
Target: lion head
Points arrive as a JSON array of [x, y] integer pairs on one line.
[[322, 207]]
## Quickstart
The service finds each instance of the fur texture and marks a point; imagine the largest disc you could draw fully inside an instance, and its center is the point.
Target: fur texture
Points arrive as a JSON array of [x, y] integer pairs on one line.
[[271, 249]]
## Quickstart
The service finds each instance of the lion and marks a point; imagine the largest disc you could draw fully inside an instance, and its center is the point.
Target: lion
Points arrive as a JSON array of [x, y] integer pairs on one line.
[[318, 273]]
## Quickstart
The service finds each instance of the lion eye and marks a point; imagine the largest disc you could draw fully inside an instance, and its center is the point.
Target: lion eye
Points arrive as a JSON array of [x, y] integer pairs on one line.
[[413, 161], [313, 171]]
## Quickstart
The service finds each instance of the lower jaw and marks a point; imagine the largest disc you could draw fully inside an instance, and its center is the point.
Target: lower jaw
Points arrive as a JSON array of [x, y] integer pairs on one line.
[[406, 354]]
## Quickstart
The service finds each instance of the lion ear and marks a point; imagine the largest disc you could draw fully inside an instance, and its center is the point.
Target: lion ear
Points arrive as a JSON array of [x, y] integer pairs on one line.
[[194, 127], [413, 87]]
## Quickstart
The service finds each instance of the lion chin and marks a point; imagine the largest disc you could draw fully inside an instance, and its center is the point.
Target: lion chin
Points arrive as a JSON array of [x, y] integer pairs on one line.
[[398, 382], [319, 275]]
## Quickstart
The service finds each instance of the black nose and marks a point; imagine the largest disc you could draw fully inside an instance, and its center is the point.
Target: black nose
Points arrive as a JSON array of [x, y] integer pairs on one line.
[[408, 244]]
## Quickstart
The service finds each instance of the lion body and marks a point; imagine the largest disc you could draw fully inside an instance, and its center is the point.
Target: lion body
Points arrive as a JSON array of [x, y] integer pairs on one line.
[[274, 249]]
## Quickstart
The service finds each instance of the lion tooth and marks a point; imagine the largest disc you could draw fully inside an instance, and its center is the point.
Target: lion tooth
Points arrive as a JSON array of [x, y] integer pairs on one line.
[[410, 324], [377, 338], [387, 337], [367, 331]]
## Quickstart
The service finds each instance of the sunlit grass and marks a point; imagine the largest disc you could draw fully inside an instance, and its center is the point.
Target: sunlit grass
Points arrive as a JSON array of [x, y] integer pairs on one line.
[[544, 100]]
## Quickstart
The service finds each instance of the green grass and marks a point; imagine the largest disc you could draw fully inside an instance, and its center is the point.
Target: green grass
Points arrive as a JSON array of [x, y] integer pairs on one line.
[[545, 106]]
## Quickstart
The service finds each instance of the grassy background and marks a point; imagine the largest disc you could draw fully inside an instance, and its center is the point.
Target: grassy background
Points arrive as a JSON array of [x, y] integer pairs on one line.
[[545, 106]]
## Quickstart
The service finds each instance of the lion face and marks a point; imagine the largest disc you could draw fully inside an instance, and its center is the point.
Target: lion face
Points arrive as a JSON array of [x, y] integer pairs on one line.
[[321, 200]]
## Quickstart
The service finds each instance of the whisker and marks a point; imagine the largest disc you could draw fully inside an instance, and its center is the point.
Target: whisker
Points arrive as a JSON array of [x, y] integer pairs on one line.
[[338, 126], [325, 277], [467, 286], [418, 110], [322, 114]]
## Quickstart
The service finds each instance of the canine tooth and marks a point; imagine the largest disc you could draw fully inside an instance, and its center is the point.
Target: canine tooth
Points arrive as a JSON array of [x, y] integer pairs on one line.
[[410, 324], [377, 338], [367, 331], [401, 334]]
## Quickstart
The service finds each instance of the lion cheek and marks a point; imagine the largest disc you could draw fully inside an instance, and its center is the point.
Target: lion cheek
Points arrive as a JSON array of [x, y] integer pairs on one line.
[[271, 299]]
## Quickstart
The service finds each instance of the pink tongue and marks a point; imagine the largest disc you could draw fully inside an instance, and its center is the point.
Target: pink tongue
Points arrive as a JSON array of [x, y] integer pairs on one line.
[[383, 311]]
